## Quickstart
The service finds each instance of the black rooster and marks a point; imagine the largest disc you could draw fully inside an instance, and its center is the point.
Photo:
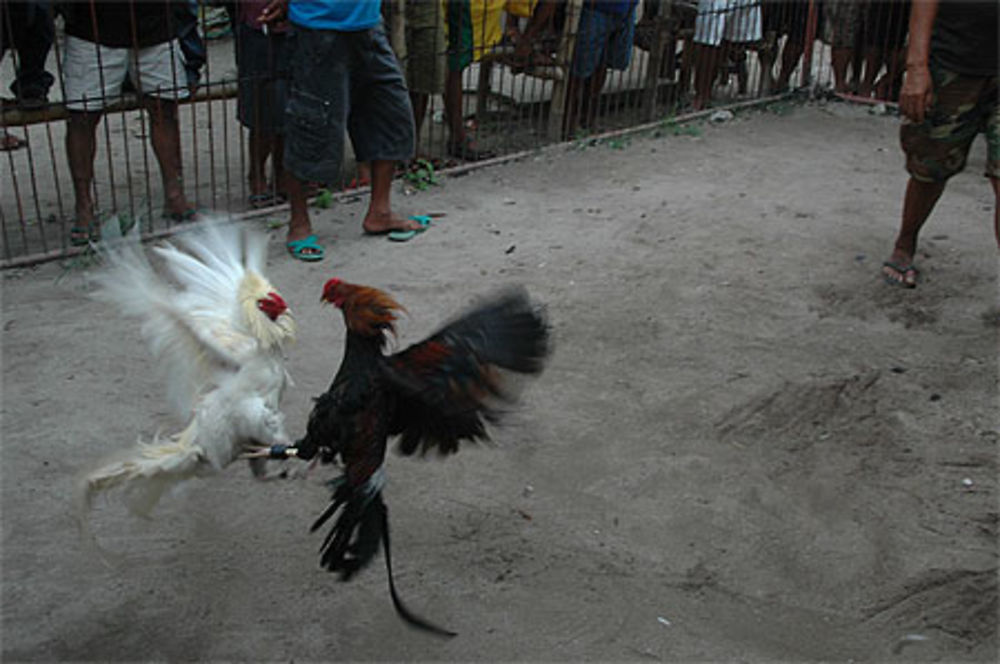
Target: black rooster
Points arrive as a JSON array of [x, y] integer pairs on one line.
[[434, 394]]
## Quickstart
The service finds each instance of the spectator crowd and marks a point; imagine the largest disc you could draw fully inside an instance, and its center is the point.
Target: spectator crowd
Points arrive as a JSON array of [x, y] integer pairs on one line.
[[314, 72]]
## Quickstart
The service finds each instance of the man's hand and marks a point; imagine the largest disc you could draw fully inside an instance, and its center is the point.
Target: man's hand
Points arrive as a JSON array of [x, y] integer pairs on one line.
[[918, 89], [274, 11]]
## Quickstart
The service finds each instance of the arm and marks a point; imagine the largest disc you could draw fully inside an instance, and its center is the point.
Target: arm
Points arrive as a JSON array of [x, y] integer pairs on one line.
[[917, 87]]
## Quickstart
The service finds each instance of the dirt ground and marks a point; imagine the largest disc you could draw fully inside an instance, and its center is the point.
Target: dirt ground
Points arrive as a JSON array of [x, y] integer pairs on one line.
[[746, 446]]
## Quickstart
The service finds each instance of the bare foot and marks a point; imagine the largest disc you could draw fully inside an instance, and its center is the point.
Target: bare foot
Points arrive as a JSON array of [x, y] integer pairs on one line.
[[177, 208], [11, 142], [380, 223]]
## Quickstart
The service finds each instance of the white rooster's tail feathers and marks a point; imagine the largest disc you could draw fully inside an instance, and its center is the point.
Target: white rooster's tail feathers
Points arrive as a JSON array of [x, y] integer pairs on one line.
[[211, 317], [142, 474], [146, 471]]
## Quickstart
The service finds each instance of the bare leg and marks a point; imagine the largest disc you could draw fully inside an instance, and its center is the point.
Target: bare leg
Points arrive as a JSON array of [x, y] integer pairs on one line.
[[574, 92], [278, 162], [380, 218], [840, 59], [459, 143], [453, 107], [364, 174], [164, 134], [418, 100], [918, 202], [789, 60], [873, 63], [81, 148], [706, 64], [766, 54], [259, 150], [592, 99]]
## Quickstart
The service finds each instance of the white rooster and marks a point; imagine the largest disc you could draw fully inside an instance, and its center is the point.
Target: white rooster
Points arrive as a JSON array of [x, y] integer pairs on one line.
[[217, 335]]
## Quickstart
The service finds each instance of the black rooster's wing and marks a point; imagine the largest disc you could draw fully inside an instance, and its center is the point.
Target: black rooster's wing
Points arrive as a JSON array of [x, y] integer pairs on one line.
[[447, 385]]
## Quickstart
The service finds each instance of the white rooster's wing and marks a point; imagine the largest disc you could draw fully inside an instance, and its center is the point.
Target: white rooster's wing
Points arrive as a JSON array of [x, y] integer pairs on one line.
[[191, 331], [221, 274]]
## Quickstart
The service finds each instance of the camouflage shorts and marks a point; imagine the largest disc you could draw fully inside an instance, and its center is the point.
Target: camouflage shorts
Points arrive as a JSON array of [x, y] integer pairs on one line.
[[962, 107]]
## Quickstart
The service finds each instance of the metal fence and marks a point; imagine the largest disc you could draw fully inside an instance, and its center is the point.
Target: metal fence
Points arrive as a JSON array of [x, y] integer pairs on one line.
[[488, 78]]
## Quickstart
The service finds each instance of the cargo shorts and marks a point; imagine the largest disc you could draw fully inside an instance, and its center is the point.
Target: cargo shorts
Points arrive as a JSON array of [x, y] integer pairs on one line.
[[345, 82], [961, 107]]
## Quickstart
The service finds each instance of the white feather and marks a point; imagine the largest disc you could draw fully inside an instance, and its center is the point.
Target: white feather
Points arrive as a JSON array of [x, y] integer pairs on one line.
[[220, 355]]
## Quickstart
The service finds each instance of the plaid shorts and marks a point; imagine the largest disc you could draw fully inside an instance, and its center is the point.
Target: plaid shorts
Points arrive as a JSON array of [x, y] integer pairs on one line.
[[962, 107]]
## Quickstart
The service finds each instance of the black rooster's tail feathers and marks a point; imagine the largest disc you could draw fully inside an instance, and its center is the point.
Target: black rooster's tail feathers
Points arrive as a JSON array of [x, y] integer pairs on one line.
[[355, 537]]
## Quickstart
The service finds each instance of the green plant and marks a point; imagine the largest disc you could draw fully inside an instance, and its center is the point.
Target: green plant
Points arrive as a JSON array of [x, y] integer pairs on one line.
[[324, 198], [420, 175], [672, 127]]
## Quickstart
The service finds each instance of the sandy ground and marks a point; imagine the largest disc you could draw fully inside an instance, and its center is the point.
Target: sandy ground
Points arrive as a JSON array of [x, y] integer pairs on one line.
[[746, 446]]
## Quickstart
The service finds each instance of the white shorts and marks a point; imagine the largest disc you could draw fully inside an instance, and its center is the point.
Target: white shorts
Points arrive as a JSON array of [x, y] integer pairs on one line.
[[94, 74], [731, 20]]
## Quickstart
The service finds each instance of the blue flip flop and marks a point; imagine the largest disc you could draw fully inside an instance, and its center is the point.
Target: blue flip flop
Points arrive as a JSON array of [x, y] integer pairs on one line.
[[406, 236], [297, 248]]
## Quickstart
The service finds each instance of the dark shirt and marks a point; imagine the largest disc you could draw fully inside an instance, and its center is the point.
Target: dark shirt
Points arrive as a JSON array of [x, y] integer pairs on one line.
[[964, 39], [153, 22]]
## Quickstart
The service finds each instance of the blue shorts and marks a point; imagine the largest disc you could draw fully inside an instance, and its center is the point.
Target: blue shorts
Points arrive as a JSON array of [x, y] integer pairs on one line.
[[262, 63], [603, 38], [345, 81]]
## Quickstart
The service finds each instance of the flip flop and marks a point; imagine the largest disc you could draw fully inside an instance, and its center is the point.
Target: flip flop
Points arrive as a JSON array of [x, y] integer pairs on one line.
[[297, 248], [902, 270], [265, 199], [406, 236], [81, 236]]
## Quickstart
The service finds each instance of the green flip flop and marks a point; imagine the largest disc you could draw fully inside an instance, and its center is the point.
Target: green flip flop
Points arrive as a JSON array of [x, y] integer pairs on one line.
[[406, 236], [298, 248], [81, 236]]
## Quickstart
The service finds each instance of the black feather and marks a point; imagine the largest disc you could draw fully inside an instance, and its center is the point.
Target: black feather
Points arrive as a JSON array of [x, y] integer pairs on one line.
[[434, 394]]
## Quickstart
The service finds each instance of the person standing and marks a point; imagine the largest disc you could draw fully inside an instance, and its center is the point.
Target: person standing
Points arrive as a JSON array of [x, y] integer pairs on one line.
[[26, 27], [948, 97], [107, 41], [344, 76]]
